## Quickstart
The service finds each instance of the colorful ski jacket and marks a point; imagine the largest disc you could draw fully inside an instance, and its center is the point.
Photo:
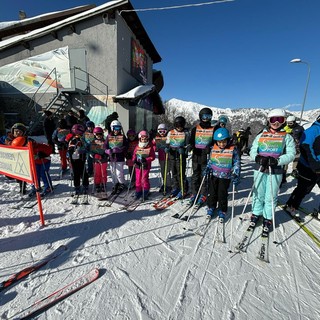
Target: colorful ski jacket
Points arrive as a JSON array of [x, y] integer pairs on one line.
[[223, 163], [279, 145]]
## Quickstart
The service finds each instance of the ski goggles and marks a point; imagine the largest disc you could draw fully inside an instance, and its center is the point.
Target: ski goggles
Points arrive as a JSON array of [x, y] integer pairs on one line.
[[206, 116], [144, 137], [280, 120], [117, 128], [290, 123], [131, 135], [162, 131]]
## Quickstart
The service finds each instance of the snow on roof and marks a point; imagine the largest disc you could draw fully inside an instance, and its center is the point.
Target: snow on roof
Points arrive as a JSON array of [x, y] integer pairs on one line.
[[136, 92], [55, 26]]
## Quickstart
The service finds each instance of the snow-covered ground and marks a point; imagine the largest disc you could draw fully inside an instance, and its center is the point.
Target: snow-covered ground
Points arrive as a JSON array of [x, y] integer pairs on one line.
[[151, 267]]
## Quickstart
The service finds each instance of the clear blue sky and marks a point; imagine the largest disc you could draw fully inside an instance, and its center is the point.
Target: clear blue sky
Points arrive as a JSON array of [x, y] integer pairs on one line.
[[232, 54]]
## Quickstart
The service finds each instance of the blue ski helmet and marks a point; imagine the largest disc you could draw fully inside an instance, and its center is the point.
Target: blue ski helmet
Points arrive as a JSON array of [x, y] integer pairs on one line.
[[221, 134]]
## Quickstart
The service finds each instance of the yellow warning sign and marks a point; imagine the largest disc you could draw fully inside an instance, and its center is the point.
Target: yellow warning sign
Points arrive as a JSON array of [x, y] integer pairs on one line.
[[15, 162]]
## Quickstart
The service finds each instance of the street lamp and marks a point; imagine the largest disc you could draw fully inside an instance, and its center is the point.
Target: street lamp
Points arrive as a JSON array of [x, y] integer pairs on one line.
[[307, 84]]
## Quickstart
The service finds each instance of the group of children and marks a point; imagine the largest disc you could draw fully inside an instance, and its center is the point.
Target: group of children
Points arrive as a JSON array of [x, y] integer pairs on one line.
[[215, 160]]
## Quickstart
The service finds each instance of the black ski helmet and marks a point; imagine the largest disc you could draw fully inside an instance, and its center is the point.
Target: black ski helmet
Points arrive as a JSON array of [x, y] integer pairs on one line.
[[205, 111], [179, 122]]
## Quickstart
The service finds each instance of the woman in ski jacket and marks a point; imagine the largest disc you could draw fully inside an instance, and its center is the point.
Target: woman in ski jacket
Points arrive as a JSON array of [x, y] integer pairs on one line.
[[271, 150]]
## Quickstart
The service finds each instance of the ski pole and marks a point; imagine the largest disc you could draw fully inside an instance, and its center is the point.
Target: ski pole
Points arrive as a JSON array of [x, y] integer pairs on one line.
[[165, 174], [142, 182], [247, 200], [232, 215], [131, 176], [195, 199], [272, 207], [181, 178]]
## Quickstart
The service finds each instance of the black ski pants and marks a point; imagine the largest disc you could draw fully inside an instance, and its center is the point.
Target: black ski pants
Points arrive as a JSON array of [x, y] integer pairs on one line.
[[307, 179], [79, 172], [218, 193], [199, 163]]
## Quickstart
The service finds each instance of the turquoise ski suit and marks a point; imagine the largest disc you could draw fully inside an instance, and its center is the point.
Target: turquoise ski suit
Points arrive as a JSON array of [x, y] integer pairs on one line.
[[280, 146]]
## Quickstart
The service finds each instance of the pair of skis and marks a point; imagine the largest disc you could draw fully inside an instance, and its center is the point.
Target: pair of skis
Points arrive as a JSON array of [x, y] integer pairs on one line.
[[54, 297]]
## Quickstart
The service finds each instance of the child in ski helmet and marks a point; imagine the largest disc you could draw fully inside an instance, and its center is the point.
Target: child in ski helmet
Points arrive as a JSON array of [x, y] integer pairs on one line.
[[132, 143], [59, 138], [42, 161], [271, 150], [177, 141], [143, 155], [77, 149], [160, 142], [97, 153], [18, 138], [222, 168], [201, 140], [116, 147]]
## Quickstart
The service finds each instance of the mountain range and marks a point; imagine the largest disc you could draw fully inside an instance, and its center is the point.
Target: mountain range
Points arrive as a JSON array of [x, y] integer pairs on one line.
[[255, 118]]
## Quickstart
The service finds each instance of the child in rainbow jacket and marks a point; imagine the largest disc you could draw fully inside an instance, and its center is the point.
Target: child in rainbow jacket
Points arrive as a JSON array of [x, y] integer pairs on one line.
[[222, 168]]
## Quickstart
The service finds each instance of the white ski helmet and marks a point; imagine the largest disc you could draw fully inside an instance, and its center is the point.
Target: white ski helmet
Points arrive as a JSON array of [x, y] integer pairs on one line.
[[115, 123], [162, 126], [277, 113], [291, 119]]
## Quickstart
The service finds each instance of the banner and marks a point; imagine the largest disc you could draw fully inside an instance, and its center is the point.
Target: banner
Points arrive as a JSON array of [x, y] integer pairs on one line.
[[18, 163], [15, 163], [27, 75]]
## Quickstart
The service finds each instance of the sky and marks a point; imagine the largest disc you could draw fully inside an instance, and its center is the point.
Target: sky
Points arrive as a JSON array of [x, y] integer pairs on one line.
[[231, 54]]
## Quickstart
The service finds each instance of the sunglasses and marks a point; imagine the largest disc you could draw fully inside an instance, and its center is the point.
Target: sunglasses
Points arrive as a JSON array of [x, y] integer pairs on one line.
[[144, 137], [162, 131], [99, 134], [206, 116], [280, 120], [131, 135]]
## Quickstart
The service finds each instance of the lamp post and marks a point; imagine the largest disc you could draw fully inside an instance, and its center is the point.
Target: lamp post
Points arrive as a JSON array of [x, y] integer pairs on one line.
[[307, 84]]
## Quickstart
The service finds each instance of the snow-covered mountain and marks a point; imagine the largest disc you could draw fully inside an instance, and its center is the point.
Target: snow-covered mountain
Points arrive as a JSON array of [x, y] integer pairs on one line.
[[239, 118]]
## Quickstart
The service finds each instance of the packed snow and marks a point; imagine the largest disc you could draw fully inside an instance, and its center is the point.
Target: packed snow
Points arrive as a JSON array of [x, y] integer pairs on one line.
[[151, 266]]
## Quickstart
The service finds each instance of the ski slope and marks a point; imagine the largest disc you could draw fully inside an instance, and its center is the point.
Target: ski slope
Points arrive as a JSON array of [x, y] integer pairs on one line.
[[150, 266]]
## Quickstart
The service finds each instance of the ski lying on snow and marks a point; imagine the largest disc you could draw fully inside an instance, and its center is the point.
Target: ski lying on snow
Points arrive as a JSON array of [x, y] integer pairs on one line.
[[58, 295], [315, 239], [263, 253], [36, 266], [246, 239], [165, 202]]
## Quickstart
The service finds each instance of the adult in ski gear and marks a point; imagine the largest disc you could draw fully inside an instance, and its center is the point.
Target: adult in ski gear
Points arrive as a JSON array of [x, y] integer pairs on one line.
[[143, 155], [59, 138], [296, 132], [200, 143], [115, 148], [18, 138], [77, 150], [49, 125], [223, 167], [132, 143], [71, 119], [83, 118], [97, 153], [308, 165], [160, 141], [42, 161], [177, 142], [271, 150]]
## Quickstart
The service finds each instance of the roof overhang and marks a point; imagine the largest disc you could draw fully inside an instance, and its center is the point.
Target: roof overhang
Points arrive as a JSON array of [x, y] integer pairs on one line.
[[138, 93]]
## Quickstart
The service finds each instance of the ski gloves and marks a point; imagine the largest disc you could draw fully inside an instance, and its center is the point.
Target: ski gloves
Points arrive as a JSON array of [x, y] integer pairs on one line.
[[266, 161], [141, 163]]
